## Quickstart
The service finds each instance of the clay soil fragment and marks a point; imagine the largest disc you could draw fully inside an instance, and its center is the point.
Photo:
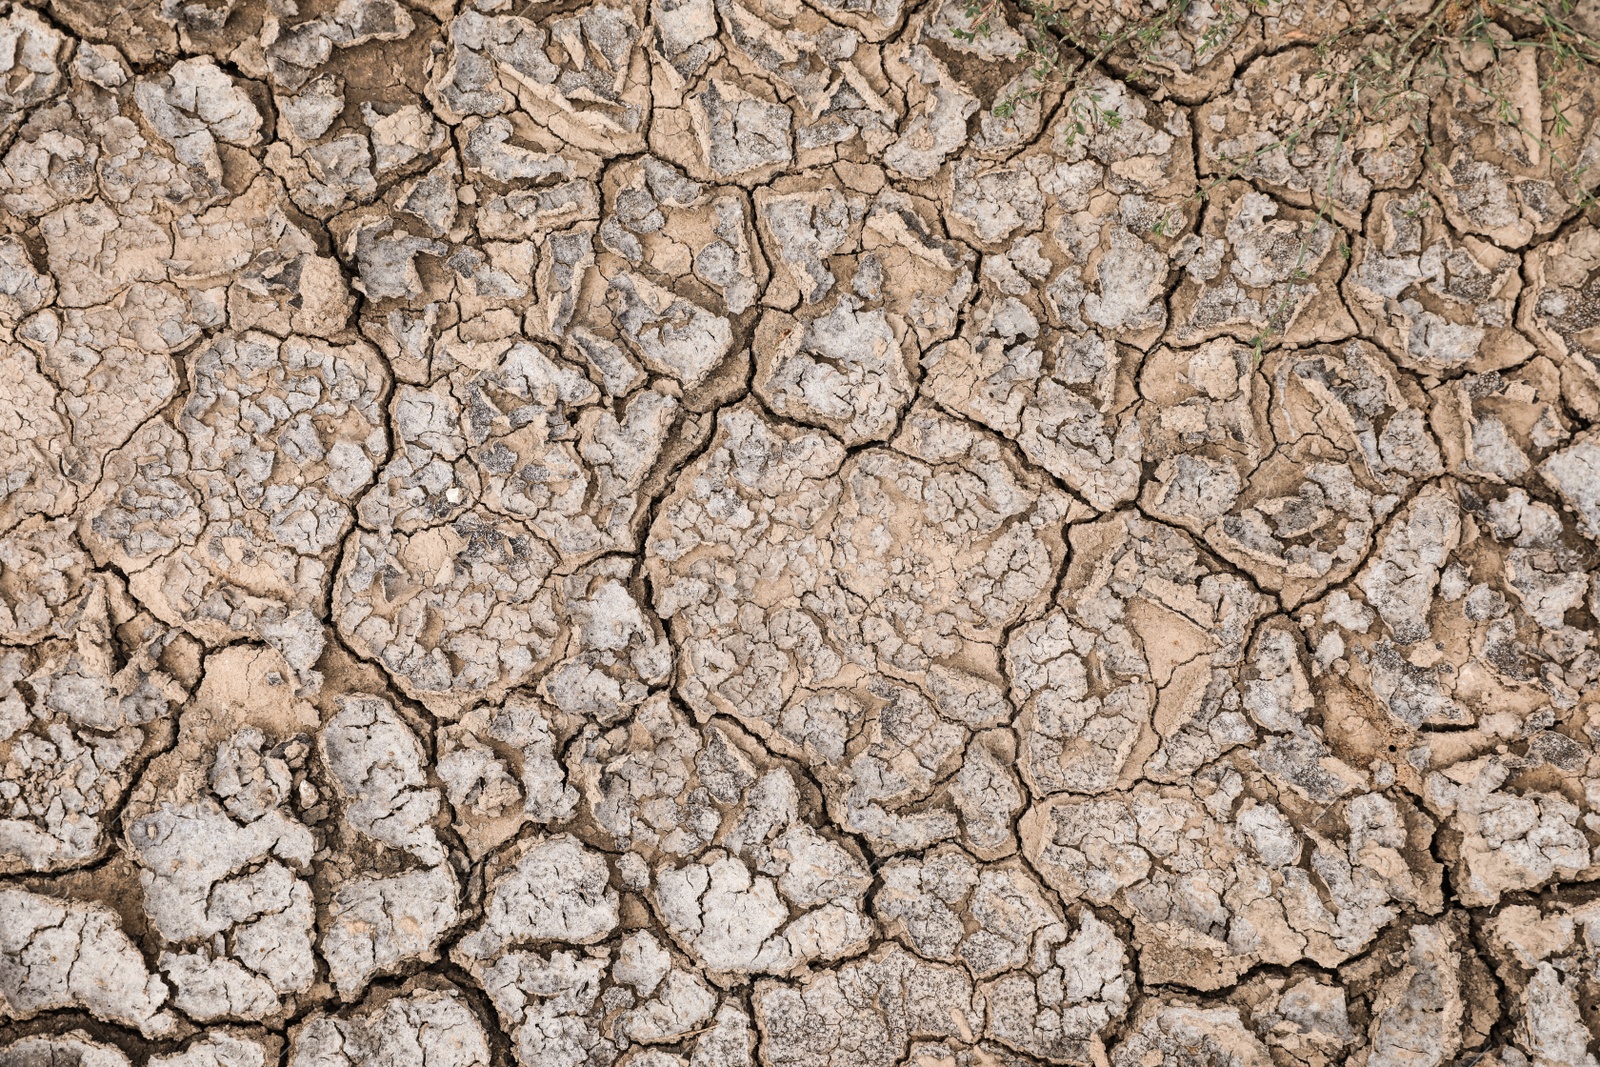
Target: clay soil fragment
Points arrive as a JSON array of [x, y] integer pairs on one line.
[[788, 533]]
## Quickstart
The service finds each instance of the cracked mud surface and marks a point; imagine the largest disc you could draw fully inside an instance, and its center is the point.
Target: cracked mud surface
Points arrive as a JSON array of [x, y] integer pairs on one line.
[[670, 534]]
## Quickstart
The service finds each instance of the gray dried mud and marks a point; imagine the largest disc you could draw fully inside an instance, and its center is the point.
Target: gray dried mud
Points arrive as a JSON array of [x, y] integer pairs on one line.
[[670, 534]]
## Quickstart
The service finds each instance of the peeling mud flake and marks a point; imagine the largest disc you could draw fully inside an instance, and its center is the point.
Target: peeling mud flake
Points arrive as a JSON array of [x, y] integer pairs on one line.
[[59, 954]]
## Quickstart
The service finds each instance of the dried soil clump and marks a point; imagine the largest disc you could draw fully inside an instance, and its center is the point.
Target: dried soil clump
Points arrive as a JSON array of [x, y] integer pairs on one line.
[[799, 533]]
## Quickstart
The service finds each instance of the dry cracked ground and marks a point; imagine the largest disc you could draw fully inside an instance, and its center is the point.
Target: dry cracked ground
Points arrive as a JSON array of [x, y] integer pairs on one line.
[[666, 533]]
